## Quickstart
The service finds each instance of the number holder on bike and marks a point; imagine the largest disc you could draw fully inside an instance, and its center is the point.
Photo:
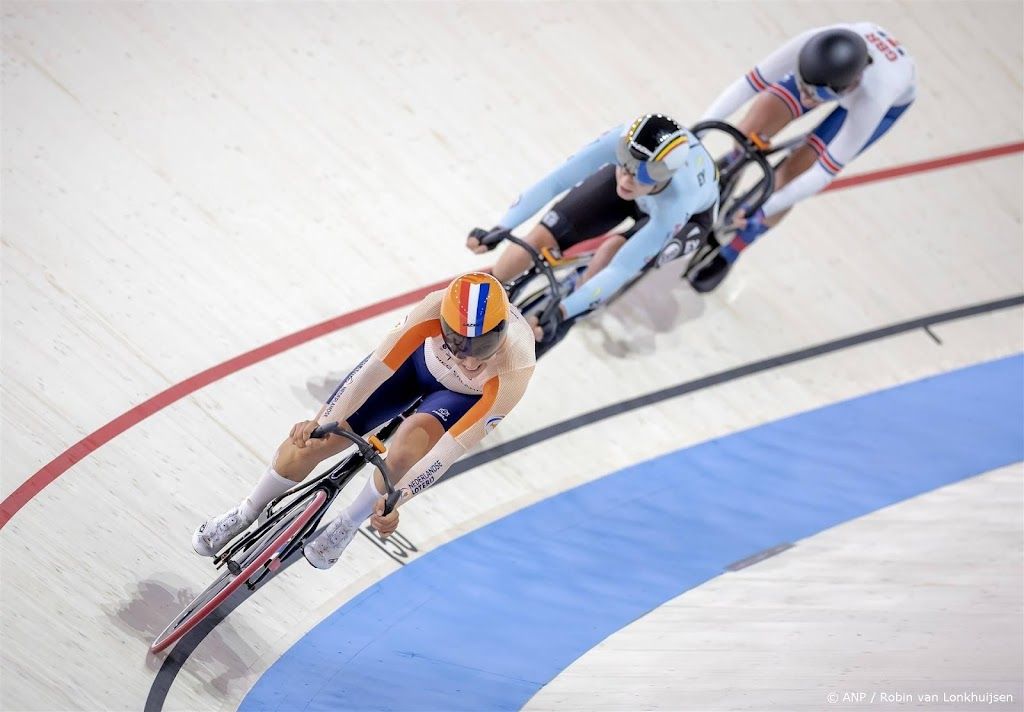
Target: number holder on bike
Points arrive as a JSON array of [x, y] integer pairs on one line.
[[377, 444], [759, 143], [553, 259]]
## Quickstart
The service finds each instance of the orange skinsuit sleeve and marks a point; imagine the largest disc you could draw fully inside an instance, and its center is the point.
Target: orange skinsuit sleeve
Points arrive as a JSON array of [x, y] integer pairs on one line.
[[419, 325]]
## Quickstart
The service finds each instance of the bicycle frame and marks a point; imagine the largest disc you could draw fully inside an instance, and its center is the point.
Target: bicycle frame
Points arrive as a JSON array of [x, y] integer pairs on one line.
[[543, 263], [263, 551], [752, 151], [331, 481]]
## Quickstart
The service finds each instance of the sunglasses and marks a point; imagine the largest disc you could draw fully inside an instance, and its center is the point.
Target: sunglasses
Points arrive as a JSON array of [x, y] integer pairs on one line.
[[645, 172]]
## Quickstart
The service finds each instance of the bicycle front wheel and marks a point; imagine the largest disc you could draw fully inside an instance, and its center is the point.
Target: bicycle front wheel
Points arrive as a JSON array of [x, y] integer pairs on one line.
[[261, 554], [535, 295]]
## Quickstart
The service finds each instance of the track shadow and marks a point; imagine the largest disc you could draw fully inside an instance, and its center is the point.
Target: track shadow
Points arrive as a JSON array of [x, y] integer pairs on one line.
[[155, 602], [145, 611], [659, 303], [318, 390]]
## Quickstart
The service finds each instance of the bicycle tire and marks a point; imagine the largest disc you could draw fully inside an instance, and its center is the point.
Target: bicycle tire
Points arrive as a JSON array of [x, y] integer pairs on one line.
[[216, 593]]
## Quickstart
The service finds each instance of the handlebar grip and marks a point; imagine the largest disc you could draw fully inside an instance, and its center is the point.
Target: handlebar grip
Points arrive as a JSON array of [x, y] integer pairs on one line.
[[492, 239], [391, 501], [322, 431]]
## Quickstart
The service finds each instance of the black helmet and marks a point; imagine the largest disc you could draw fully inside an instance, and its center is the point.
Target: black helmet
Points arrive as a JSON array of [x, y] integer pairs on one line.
[[653, 148], [833, 58]]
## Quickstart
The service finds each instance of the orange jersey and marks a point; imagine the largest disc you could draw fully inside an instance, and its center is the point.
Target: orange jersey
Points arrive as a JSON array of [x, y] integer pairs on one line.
[[500, 383]]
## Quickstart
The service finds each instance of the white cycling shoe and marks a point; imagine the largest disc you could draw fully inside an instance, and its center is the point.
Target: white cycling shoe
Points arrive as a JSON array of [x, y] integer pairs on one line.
[[215, 532], [324, 551]]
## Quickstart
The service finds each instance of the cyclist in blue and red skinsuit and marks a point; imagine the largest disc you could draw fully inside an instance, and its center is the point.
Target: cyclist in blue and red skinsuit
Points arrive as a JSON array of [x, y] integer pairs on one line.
[[860, 67]]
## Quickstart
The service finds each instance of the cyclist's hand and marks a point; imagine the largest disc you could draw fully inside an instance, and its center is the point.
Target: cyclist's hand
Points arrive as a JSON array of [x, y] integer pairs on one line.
[[480, 241], [749, 227], [547, 330], [385, 526], [300, 434], [538, 330], [743, 218], [473, 241]]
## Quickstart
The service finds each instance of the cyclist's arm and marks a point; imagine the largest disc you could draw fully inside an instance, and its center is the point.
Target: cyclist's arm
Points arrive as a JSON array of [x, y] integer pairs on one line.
[[500, 395], [626, 263], [771, 69], [580, 165], [420, 324], [860, 123]]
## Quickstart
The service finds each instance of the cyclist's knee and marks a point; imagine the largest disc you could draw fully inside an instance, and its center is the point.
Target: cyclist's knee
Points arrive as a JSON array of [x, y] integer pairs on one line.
[[796, 163], [515, 259], [602, 257], [541, 236], [767, 116], [414, 438], [295, 463]]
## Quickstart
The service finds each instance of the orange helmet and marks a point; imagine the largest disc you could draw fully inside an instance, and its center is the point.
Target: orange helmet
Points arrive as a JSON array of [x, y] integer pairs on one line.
[[474, 315]]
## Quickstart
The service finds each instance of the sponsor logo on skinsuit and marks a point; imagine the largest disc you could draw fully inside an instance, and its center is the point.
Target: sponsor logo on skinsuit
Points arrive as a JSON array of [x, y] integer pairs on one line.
[[343, 386], [425, 479], [669, 252], [492, 423]]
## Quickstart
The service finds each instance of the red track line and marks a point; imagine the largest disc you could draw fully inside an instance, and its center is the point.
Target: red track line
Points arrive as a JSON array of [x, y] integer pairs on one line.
[[63, 462], [935, 164], [60, 464]]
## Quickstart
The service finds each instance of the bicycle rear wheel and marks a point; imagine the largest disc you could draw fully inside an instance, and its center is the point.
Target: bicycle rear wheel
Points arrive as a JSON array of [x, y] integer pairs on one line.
[[262, 553]]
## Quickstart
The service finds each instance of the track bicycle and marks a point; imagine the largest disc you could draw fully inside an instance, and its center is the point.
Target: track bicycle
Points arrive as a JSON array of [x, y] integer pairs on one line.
[[283, 527], [552, 276], [746, 181]]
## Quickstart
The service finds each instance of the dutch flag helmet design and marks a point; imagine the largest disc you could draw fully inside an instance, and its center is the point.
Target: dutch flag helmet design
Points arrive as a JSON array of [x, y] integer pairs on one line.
[[474, 315]]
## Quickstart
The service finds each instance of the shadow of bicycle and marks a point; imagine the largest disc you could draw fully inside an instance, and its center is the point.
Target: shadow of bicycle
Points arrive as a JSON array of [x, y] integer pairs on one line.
[[152, 603], [318, 390], [659, 303]]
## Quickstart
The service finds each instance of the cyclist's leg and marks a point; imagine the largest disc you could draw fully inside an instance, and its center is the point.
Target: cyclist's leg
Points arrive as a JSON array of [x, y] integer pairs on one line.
[[415, 437], [797, 162], [602, 256], [436, 413], [438, 410], [890, 118], [773, 109], [607, 250], [292, 464], [514, 260], [387, 401], [692, 235], [816, 149], [590, 209]]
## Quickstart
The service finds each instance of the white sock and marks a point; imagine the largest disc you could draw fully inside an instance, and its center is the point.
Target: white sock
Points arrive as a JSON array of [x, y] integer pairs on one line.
[[362, 505], [270, 487]]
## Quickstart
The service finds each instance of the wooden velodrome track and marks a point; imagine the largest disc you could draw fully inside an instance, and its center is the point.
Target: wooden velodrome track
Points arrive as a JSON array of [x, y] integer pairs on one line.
[[184, 183]]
